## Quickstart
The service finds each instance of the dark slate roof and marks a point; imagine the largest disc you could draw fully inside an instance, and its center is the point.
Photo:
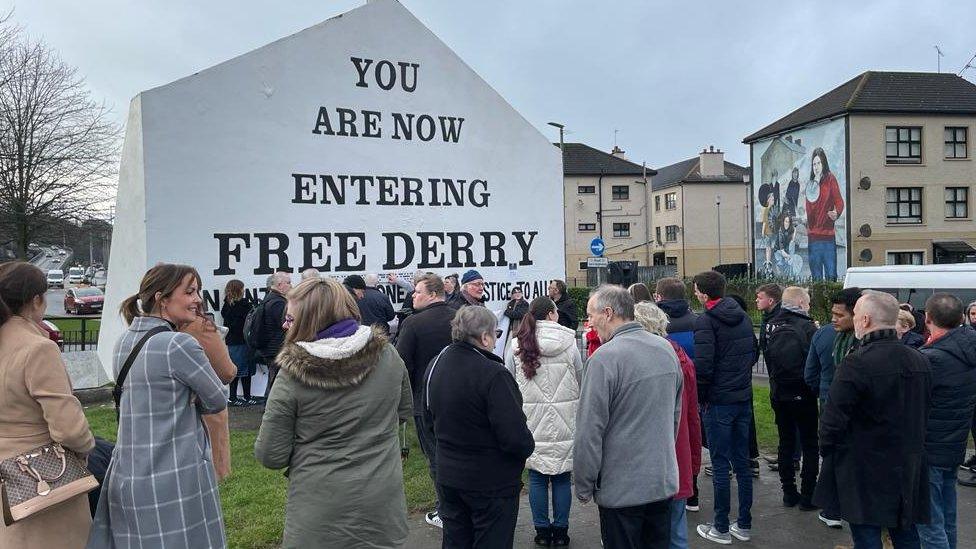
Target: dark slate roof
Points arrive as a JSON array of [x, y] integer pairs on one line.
[[687, 171], [883, 92], [580, 159]]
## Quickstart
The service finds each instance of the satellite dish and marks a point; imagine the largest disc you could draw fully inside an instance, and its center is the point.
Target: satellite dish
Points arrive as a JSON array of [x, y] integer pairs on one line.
[[866, 255], [865, 230], [865, 183]]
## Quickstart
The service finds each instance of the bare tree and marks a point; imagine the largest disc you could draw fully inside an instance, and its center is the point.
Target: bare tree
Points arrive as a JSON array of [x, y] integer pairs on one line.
[[58, 147]]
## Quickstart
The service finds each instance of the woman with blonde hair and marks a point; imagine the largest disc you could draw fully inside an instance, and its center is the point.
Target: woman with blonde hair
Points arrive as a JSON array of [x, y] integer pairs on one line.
[[549, 371], [160, 488], [331, 419], [38, 406], [688, 441], [904, 328]]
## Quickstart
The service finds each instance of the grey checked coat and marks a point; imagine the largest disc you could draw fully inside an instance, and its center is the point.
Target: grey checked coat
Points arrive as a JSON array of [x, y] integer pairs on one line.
[[160, 490]]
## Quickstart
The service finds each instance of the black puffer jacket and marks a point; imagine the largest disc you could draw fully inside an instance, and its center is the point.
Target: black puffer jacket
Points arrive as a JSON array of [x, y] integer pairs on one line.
[[272, 333], [787, 343], [953, 361], [568, 316], [725, 350]]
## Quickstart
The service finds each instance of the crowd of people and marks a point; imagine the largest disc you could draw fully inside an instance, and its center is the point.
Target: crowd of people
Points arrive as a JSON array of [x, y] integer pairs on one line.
[[873, 410]]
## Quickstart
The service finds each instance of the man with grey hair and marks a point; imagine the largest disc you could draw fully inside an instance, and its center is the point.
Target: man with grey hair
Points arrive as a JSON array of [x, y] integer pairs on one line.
[[271, 313], [474, 408], [626, 426], [310, 273], [872, 431]]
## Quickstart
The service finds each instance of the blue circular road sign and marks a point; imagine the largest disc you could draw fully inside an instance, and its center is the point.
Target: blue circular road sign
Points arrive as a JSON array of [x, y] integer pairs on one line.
[[597, 246]]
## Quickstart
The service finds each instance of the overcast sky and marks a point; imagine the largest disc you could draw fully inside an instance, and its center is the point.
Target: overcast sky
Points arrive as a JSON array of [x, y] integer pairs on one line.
[[671, 77]]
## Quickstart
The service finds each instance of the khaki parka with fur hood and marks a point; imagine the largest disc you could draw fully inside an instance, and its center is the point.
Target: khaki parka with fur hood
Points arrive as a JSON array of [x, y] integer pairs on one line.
[[332, 419]]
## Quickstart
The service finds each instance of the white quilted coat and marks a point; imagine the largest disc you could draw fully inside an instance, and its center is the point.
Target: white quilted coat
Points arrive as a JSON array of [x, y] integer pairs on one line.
[[551, 397]]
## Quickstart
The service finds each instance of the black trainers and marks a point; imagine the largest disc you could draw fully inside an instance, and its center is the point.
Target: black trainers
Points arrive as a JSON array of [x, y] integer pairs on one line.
[[543, 536], [560, 537], [754, 464], [791, 498], [806, 504], [692, 504]]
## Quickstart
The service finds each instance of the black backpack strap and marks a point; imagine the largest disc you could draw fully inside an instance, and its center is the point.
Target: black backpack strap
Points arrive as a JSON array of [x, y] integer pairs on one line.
[[124, 372]]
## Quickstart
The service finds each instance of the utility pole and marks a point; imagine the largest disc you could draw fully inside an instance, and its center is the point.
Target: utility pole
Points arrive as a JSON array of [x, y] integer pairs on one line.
[[718, 211], [938, 57]]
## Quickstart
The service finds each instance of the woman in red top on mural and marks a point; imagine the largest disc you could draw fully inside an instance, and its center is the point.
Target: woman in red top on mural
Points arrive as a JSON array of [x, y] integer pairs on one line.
[[825, 204]]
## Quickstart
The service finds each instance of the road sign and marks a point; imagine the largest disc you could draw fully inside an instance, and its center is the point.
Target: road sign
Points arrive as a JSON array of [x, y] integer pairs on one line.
[[597, 246], [597, 262]]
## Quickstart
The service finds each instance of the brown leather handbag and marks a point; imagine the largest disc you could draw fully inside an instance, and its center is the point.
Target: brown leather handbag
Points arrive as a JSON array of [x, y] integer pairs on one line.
[[41, 478]]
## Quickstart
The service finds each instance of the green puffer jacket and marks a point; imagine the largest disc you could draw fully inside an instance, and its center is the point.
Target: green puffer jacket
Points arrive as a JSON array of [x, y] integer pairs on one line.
[[332, 419]]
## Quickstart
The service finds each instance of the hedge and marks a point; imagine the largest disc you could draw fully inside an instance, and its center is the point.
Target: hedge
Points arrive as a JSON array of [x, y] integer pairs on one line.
[[820, 294]]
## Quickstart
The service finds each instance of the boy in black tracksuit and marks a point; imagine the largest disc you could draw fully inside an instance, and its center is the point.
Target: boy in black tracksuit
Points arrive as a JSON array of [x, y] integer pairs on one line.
[[787, 342]]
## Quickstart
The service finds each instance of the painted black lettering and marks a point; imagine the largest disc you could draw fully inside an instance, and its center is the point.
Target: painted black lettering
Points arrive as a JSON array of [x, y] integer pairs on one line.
[[351, 257], [431, 250], [371, 121], [450, 132], [322, 123], [347, 122], [405, 73], [266, 250], [361, 67], [303, 188], [401, 125], [391, 249], [520, 238], [313, 250], [226, 252], [494, 245]]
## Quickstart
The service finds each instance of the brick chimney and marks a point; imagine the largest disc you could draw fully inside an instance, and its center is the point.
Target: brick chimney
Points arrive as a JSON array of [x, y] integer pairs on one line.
[[711, 162], [618, 152]]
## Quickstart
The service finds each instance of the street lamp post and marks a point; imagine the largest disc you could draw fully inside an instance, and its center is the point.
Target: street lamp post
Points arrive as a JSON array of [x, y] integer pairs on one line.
[[718, 211], [561, 127]]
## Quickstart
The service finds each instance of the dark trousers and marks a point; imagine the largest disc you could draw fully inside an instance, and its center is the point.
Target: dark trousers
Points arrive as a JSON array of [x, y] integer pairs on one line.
[[830, 513], [478, 519], [793, 416], [728, 436], [645, 526], [272, 375], [869, 537], [428, 446]]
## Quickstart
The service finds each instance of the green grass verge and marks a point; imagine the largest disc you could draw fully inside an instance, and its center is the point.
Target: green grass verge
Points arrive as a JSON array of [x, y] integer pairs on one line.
[[71, 329], [253, 498]]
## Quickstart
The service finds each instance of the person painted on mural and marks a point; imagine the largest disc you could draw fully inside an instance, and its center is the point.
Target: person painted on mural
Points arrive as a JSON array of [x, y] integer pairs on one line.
[[768, 199], [787, 262], [792, 198], [824, 204]]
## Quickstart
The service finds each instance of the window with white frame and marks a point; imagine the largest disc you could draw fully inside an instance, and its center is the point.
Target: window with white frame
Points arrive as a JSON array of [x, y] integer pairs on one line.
[[620, 192], [671, 233], [586, 189], [587, 227], [670, 201], [621, 230]]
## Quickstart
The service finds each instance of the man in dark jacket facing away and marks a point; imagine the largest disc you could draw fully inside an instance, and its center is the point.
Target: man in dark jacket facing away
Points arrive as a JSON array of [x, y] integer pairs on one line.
[[272, 332], [872, 431], [724, 354], [374, 305], [669, 294], [423, 335], [787, 343], [474, 407], [951, 350]]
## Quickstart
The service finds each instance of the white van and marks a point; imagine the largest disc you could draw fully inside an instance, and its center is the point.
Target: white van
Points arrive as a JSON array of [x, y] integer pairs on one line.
[[55, 278], [76, 275], [916, 283]]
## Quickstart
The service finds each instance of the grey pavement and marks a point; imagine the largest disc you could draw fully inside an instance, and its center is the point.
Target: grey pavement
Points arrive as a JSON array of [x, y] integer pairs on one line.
[[774, 527]]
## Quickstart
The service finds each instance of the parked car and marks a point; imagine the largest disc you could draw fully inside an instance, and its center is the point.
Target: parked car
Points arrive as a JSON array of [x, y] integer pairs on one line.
[[76, 275], [55, 278], [52, 331], [83, 300]]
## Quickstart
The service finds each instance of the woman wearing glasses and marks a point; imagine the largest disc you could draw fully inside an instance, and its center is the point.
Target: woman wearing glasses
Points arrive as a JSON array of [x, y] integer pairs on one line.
[[331, 419]]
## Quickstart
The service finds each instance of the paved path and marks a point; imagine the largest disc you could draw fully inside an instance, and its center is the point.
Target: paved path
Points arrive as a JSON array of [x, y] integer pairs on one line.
[[774, 527]]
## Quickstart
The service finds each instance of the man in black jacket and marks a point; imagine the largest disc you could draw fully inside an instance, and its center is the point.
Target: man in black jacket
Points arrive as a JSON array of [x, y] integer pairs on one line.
[[565, 306], [272, 332], [872, 431], [951, 350], [725, 350], [374, 305], [474, 407], [472, 291], [422, 336], [669, 294], [787, 342]]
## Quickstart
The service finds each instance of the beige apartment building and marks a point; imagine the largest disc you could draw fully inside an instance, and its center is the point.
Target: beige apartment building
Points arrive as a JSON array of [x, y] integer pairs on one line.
[[606, 196], [700, 214], [899, 149]]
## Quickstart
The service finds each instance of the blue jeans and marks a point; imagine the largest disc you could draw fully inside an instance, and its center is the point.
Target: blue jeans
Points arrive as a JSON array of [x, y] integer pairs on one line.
[[823, 259], [869, 537], [562, 499], [940, 532], [727, 426], [679, 524]]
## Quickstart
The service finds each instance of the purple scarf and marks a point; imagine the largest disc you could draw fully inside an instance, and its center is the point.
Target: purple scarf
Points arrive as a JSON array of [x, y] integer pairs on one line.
[[344, 328]]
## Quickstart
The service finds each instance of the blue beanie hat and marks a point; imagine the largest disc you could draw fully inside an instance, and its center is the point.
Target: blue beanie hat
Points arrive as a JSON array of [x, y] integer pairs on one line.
[[471, 276]]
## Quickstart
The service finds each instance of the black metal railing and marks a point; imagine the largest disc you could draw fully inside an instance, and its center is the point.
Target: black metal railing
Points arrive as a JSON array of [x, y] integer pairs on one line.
[[82, 334]]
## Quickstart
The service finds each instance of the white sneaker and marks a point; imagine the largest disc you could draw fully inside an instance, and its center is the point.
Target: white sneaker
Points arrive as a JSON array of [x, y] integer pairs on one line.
[[833, 523], [709, 532], [741, 534], [434, 519]]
